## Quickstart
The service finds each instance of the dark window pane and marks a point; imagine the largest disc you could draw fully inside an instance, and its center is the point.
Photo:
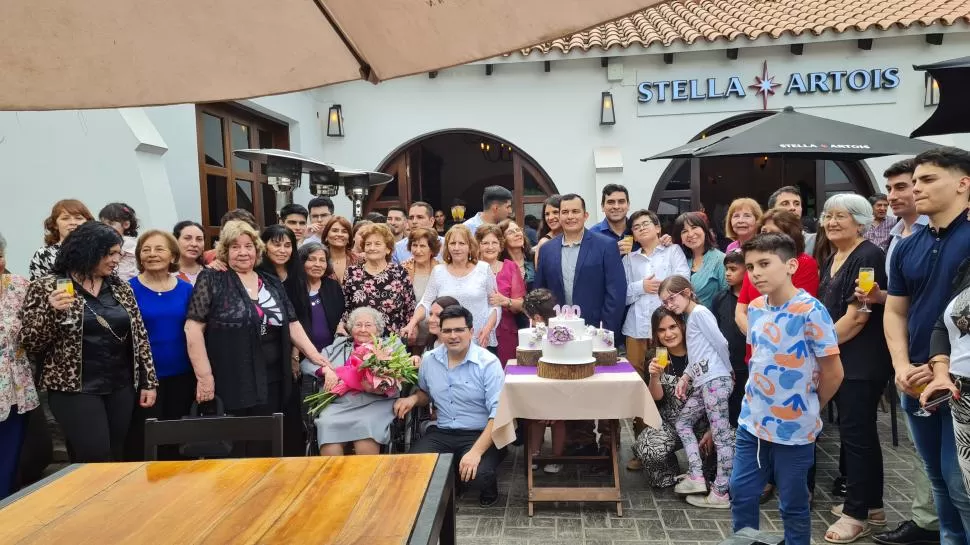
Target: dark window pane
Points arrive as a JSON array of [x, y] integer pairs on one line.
[[265, 142], [681, 179], [240, 140], [244, 195], [215, 152], [218, 197], [668, 210], [530, 185], [834, 175], [390, 191], [265, 139], [269, 203]]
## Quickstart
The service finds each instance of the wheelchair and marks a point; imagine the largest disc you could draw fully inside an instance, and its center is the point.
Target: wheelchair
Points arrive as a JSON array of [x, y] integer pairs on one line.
[[404, 432]]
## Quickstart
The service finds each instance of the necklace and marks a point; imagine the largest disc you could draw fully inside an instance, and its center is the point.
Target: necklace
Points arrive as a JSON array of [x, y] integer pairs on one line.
[[104, 323]]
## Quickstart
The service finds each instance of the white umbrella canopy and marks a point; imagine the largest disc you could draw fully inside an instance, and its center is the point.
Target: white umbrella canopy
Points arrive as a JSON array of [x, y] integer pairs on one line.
[[70, 54]]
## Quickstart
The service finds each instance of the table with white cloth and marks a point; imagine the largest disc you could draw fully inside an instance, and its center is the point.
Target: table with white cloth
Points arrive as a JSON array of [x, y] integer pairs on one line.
[[612, 393]]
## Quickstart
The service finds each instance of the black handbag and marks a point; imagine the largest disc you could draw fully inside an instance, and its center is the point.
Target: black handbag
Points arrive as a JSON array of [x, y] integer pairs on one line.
[[206, 449]]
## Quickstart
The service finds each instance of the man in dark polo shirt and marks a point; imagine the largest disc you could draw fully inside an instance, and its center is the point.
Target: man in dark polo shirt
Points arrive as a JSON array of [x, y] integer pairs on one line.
[[921, 273]]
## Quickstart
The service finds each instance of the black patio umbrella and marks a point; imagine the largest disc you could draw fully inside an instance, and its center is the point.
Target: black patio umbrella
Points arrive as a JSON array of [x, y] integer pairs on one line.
[[952, 113], [792, 134]]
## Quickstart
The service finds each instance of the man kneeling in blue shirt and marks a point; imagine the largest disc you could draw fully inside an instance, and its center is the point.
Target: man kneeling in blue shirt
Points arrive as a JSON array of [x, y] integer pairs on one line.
[[464, 381]]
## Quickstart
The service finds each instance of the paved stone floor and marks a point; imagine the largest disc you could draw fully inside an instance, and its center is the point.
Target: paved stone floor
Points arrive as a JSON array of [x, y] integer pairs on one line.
[[658, 516]]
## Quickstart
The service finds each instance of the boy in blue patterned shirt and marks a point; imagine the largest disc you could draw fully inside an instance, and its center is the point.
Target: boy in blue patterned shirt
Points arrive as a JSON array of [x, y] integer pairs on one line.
[[795, 369]]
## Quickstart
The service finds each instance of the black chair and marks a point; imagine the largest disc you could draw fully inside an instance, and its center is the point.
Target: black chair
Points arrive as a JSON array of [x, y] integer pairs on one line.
[[225, 428]]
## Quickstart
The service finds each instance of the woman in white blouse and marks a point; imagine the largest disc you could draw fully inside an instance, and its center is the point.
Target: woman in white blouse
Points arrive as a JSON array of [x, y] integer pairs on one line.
[[645, 269], [468, 280]]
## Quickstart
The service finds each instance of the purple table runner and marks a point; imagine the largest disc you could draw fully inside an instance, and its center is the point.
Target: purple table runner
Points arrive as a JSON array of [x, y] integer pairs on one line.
[[621, 367]]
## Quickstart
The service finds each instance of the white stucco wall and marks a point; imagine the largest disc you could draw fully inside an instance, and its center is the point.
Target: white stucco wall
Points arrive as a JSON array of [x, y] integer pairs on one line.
[[554, 117], [148, 157]]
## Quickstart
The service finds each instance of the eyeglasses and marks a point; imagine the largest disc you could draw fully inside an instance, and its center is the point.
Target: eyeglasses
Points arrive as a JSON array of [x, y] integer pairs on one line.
[[641, 226], [363, 324], [454, 330], [839, 217], [669, 300]]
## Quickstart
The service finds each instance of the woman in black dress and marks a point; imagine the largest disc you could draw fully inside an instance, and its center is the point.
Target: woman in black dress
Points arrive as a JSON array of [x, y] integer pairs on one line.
[[240, 331]]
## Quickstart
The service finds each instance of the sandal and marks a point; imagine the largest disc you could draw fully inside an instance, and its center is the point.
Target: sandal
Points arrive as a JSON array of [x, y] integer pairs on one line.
[[877, 517], [847, 530]]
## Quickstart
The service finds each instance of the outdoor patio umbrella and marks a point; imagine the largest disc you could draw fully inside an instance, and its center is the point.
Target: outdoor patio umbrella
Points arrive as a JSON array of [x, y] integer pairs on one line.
[[793, 134], [952, 114], [66, 54]]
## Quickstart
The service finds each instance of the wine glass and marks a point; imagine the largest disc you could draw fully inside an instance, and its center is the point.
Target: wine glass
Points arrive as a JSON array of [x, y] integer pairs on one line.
[[867, 280], [67, 285]]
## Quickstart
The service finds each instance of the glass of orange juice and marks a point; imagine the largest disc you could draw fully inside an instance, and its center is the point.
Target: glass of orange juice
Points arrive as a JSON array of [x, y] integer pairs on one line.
[[663, 359], [68, 286], [867, 280]]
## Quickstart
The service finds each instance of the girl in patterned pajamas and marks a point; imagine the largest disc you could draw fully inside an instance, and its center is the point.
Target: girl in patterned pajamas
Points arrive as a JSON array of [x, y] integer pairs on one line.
[[708, 380]]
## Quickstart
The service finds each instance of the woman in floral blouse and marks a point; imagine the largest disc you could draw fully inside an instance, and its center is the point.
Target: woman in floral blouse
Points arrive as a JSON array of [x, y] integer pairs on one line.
[[17, 392], [65, 217], [377, 282]]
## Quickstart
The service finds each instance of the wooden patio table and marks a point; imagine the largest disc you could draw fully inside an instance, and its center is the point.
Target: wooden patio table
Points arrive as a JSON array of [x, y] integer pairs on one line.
[[371, 500]]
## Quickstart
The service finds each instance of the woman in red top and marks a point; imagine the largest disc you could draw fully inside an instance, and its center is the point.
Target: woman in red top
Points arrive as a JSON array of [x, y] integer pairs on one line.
[[806, 277]]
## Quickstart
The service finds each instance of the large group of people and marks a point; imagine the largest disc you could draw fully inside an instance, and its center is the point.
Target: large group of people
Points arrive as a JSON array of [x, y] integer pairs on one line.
[[740, 348]]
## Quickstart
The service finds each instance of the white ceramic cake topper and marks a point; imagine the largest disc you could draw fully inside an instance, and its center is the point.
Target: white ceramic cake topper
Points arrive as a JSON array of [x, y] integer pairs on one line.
[[577, 312], [558, 310]]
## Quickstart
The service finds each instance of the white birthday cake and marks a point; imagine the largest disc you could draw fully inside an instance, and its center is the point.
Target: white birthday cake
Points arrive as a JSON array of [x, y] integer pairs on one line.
[[567, 341], [566, 347]]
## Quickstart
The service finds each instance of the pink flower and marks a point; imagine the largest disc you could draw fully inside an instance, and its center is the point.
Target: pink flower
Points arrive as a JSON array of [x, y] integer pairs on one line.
[[363, 351]]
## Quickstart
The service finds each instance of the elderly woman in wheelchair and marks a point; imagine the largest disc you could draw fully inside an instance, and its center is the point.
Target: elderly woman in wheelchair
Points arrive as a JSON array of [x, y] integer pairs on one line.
[[363, 419]]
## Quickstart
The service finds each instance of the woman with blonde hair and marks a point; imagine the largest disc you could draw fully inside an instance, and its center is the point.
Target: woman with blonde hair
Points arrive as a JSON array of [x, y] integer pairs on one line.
[[465, 278], [741, 222], [378, 282], [510, 288], [240, 331]]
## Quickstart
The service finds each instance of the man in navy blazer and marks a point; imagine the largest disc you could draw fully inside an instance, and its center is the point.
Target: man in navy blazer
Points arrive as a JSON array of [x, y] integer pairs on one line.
[[583, 268]]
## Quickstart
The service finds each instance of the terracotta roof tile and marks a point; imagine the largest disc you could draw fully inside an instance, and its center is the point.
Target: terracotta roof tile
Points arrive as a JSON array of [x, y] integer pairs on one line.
[[693, 21]]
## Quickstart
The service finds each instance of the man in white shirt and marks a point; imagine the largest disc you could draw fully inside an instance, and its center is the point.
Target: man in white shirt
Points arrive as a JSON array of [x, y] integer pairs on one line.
[[496, 206]]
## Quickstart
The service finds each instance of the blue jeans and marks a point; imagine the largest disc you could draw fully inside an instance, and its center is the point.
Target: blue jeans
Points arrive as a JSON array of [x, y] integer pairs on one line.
[[936, 445], [788, 465]]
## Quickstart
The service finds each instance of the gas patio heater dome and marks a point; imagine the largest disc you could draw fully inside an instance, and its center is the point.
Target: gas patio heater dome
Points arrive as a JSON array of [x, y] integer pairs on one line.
[[284, 172]]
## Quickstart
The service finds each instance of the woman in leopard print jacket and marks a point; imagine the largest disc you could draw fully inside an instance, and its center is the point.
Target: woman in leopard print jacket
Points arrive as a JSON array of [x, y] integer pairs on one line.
[[91, 344]]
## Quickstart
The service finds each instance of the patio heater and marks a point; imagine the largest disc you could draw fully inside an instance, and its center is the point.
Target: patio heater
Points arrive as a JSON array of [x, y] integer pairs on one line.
[[284, 172]]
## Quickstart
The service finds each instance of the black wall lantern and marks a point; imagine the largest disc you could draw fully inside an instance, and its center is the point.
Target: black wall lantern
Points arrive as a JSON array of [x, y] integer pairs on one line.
[[931, 95], [335, 121], [607, 115]]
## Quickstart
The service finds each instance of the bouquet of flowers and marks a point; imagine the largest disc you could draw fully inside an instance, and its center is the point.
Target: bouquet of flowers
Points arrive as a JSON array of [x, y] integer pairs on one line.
[[372, 367]]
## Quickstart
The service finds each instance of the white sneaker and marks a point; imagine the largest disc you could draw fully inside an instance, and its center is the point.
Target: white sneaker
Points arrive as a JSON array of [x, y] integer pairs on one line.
[[691, 485], [535, 467], [552, 469], [710, 501]]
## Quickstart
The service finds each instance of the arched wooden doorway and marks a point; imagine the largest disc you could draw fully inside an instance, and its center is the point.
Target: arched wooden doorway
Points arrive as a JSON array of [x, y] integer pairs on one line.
[[711, 184], [458, 164]]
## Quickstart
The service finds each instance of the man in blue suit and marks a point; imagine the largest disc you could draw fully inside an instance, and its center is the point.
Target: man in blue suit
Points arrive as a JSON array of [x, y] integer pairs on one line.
[[584, 268]]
